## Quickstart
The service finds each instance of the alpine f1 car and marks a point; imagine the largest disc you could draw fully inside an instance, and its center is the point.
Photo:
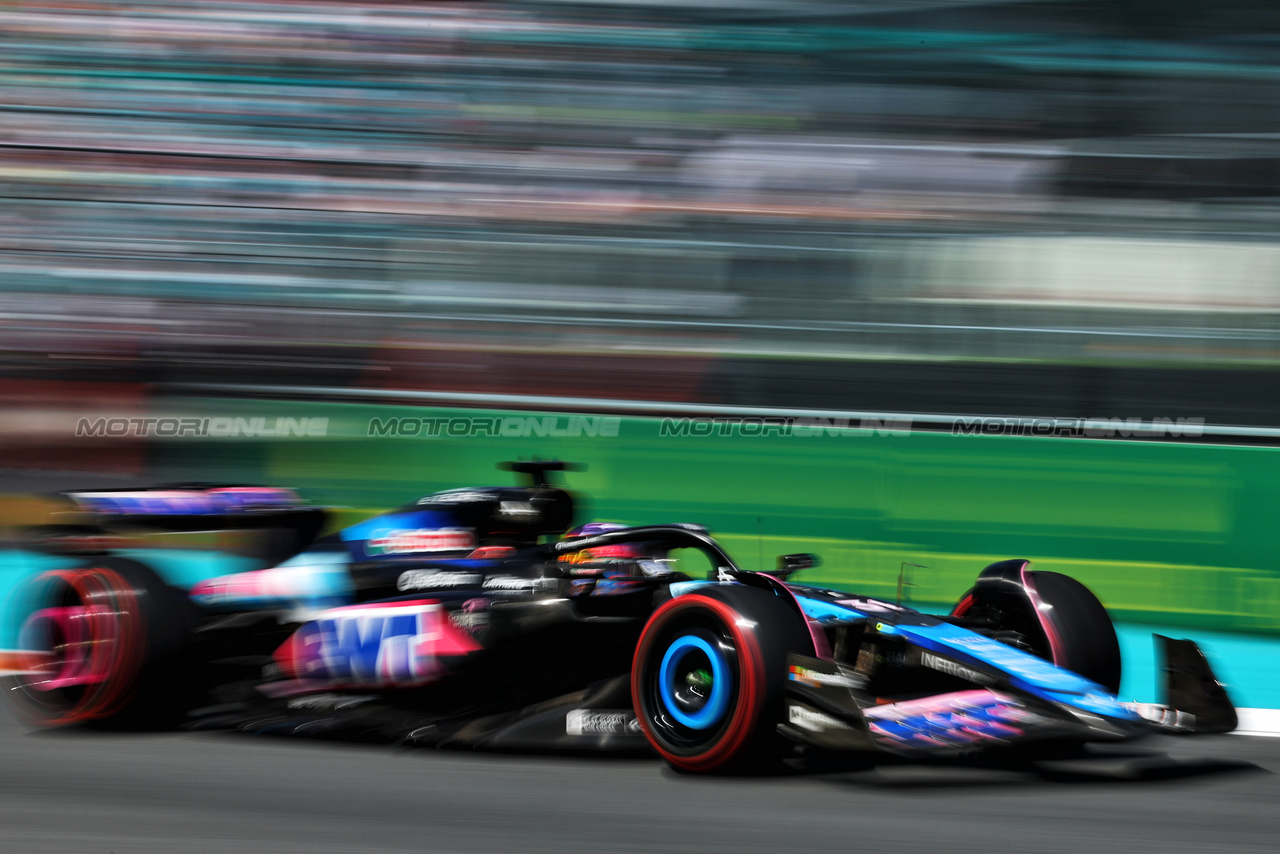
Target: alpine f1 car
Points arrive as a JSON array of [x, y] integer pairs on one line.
[[469, 617]]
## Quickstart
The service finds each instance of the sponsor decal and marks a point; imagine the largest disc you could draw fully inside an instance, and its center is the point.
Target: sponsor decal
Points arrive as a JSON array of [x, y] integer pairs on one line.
[[812, 719], [1019, 663], [390, 541], [492, 553], [397, 644], [818, 679], [431, 579], [470, 620], [511, 582], [187, 502], [872, 606], [951, 668], [459, 496], [953, 720], [517, 509], [318, 578], [242, 587], [1102, 704], [579, 543], [601, 722], [1164, 717]]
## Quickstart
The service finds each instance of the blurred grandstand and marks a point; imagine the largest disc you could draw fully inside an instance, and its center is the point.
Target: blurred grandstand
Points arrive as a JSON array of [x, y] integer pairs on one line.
[[1061, 208]]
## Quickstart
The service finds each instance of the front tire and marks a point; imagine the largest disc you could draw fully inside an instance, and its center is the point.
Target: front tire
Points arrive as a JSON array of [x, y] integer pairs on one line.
[[1058, 618], [708, 677], [1086, 636]]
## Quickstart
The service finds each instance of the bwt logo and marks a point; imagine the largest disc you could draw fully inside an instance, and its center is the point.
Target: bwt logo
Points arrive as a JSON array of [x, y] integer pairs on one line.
[[512, 426], [218, 428], [785, 426], [374, 645]]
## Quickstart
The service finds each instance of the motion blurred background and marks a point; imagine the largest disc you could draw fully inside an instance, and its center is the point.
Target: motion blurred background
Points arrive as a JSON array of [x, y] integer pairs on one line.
[[927, 205], [322, 209]]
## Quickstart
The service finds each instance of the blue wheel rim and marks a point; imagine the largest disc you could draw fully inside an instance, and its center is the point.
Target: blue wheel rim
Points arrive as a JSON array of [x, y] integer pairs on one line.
[[717, 702]]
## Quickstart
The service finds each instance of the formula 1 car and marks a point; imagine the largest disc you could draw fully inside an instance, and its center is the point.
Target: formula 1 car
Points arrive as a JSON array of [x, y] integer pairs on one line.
[[469, 618]]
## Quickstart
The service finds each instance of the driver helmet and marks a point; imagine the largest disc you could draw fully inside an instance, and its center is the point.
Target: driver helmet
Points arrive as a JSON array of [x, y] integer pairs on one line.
[[645, 557]]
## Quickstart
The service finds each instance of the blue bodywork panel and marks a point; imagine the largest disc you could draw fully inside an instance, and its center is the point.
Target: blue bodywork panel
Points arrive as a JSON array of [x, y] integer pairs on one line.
[[1026, 672]]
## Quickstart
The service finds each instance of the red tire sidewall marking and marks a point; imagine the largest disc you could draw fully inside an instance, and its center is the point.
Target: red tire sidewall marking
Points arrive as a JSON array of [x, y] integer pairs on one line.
[[1057, 650], [129, 647], [746, 712], [123, 648]]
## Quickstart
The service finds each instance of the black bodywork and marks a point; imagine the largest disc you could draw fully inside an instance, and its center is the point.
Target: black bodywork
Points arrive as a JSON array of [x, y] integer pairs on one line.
[[469, 618]]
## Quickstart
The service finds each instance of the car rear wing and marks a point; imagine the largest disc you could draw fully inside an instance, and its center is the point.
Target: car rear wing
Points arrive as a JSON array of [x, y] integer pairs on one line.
[[92, 518], [183, 500]]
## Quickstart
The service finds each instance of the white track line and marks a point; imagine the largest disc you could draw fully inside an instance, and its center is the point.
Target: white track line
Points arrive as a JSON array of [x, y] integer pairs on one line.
[[1264, 722]]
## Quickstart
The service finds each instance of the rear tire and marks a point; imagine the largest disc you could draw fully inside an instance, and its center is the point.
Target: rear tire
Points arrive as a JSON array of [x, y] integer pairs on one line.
[[708, 676], [103, 645]]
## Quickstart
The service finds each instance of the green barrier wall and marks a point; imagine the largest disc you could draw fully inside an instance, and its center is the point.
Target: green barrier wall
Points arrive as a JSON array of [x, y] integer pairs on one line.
[[1166, 533]]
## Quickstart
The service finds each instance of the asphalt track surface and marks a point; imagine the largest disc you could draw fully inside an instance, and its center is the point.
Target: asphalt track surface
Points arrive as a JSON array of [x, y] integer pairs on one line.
[[78, 791]]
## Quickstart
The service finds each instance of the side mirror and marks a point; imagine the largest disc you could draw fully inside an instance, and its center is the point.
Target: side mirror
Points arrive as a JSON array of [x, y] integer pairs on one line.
[[790, 564]]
